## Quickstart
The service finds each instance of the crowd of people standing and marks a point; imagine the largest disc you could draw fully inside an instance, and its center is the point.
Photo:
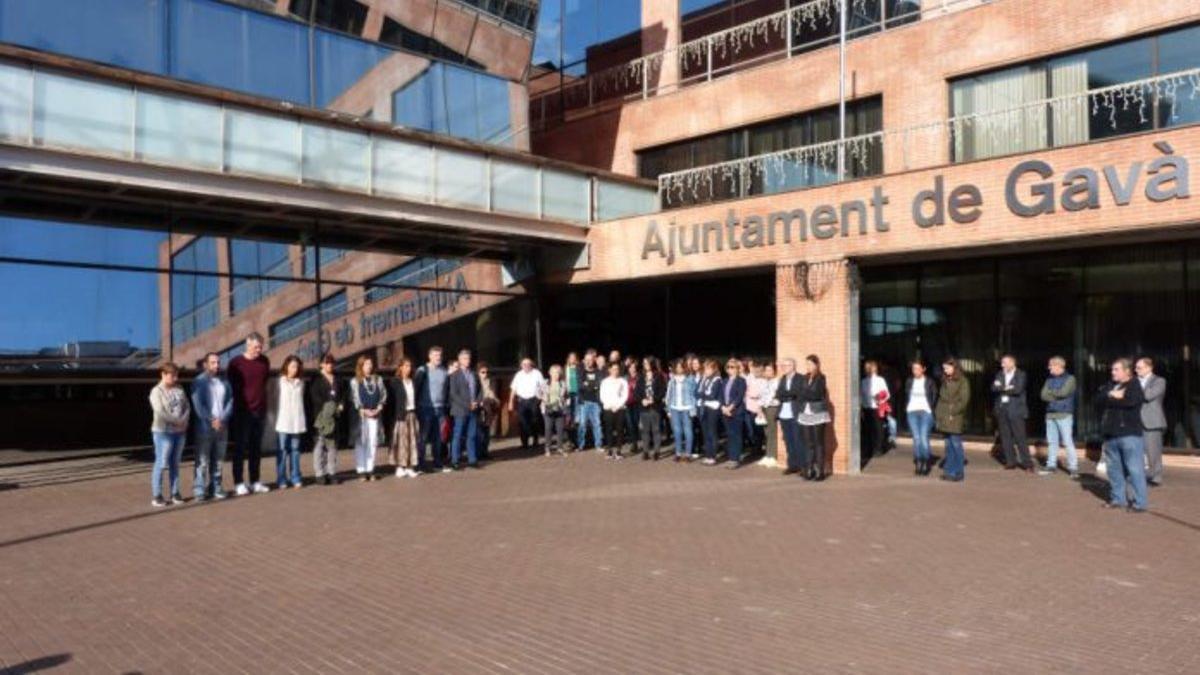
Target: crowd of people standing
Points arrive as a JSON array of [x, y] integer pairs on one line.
[[1129, 408], [437, 417]]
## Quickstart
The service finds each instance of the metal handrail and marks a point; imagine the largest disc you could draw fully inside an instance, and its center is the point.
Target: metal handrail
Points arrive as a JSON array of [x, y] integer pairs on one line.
[[702, 49]]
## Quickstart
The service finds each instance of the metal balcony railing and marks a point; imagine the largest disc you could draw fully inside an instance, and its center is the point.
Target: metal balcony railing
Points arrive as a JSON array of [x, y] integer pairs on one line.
[[793, 31], [1168, 100]]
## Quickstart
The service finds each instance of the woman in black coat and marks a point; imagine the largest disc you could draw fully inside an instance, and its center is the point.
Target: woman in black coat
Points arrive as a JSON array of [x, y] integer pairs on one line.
[[813, 416]]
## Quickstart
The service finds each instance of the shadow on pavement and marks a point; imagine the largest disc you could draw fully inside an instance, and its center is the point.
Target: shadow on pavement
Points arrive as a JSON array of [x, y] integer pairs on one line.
[[37, 665]]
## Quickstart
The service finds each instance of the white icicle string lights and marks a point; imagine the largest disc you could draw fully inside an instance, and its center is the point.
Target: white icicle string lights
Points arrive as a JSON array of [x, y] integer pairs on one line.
[[773, 171]]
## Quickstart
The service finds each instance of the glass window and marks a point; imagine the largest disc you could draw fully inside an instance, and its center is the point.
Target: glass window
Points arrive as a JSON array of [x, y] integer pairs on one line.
[[457, 101], [492, 99], [306, 320], [256, 258], [329, 256], [461, 179], [125, 33], [225, 46], [195, 305], [514, 187], [345, 15], [462, 103], [864, 157], [397, 34], [583, 36], [565, 196], [1005, 111], [412, 105], [84, 318], [16, 101], [77, 243], [262, 145], [619, 200], [84, 114], [178, 131], [402, 169], [336, 157], [415, 272], [1178, 51], [341, 62]]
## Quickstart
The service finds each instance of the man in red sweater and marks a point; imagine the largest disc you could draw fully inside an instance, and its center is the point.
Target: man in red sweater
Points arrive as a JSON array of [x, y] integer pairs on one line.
[[248, 373]]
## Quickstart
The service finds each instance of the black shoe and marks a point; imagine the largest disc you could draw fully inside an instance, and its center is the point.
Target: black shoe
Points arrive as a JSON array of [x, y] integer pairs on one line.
[[790, 471], [327, 480], [654, 457], [645, 456], [474, 466]]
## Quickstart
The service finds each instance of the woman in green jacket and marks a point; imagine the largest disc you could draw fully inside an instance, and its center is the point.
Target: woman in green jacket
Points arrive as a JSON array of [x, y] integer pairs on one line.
[[950, 416]]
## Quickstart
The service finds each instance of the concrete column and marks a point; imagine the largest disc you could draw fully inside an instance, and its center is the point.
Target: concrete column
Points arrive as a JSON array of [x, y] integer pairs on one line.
[[819, 315], [661, 31]]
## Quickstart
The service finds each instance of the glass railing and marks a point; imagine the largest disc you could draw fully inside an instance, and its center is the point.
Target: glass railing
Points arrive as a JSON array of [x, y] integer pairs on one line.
[[1165, 101], [47, 109], [796, 30]]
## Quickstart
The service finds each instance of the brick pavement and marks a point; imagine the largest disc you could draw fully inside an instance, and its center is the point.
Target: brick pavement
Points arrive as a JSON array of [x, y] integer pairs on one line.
[[582, 565]]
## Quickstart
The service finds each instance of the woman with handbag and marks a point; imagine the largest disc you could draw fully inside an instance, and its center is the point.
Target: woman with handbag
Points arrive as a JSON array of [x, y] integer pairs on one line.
[[554, 402], [369, 394], [326, 397], [813, 416]]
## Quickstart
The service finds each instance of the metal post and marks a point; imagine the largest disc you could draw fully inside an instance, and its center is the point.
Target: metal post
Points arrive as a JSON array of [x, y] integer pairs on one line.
[[841, 149], [787, 26], [645, 78]]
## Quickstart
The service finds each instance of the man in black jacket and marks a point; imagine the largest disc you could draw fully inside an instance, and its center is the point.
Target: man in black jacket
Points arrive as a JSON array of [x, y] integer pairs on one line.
[[466, 399], [1120, 406], [1011, 409]]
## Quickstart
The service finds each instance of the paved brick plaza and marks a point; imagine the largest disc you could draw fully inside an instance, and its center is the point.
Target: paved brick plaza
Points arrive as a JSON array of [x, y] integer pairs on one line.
[[580, 565]]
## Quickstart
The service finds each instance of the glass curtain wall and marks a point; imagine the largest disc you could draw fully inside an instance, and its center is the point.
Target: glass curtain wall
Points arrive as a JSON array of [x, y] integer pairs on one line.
[[581, 37], [316, 59], [1087, 306]]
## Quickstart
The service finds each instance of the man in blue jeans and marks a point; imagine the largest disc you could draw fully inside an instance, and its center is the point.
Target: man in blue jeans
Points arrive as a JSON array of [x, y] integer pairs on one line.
[[466, 399], [1120, 405], [212, 406], [589, 401], [1059, 394], [430, 388]]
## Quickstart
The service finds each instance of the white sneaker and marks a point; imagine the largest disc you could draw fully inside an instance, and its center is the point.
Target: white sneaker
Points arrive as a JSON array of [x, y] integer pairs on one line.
[[260, 489], [400, 473], [695, 455], [241, 490], [411, 473], [446, 469]]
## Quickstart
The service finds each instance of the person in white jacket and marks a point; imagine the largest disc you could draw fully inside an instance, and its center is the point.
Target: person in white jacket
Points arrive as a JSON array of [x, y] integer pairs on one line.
[[614, 393]]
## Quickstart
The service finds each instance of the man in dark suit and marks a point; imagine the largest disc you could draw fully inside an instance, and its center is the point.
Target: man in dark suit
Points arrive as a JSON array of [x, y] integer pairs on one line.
[[466, 400], [788, 395], [1011, 409]]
